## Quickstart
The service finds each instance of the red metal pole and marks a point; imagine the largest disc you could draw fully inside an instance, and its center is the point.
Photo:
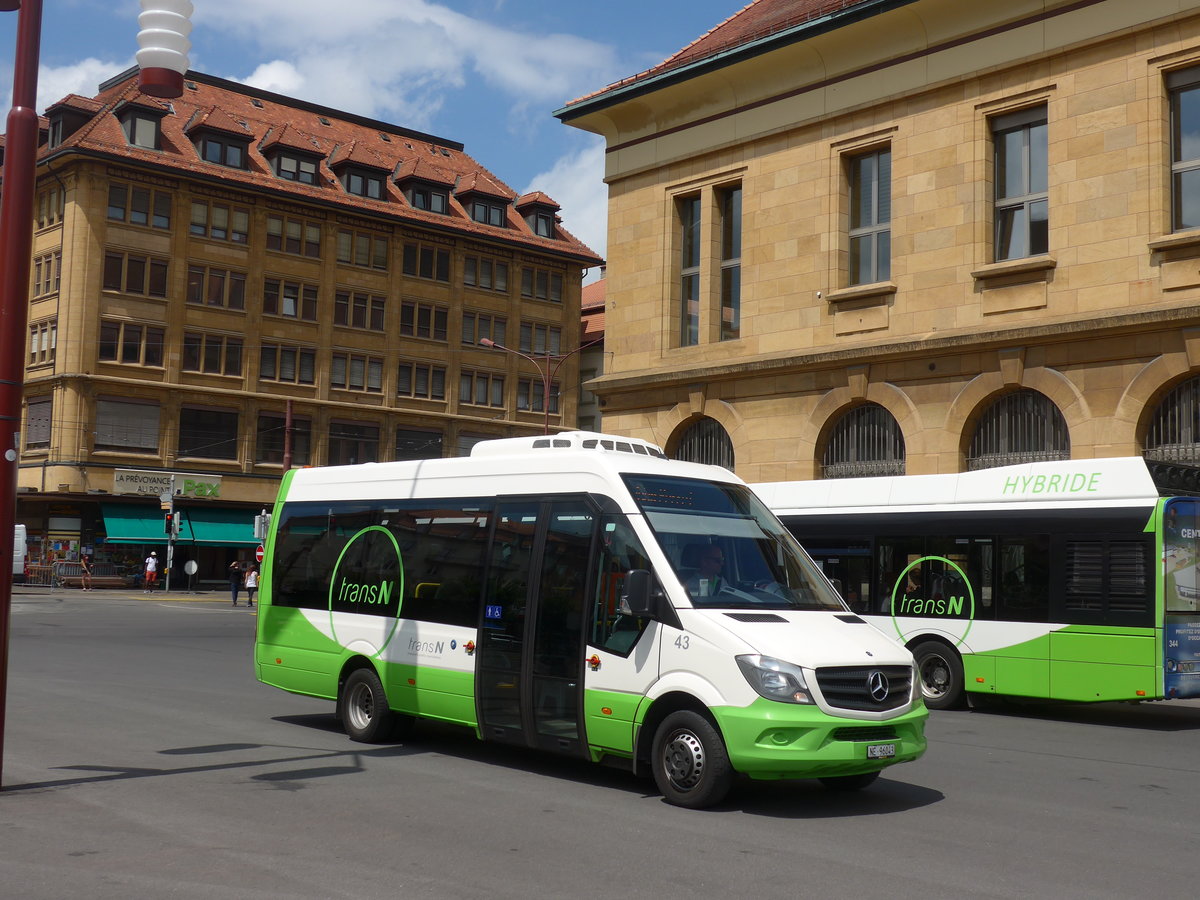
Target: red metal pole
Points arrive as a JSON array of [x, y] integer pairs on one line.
[[16, 248]]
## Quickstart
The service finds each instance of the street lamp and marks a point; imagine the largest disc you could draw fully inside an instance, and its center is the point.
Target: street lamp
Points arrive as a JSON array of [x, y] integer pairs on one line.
[[164, 42], [16, 249], [545, 370]]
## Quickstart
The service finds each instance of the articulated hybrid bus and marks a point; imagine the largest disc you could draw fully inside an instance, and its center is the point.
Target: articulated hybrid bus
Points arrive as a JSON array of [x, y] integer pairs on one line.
[[583, 595], [1070, 580]]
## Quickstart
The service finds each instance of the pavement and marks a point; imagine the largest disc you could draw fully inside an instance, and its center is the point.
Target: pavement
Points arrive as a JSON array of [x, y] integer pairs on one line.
[[216, 595]]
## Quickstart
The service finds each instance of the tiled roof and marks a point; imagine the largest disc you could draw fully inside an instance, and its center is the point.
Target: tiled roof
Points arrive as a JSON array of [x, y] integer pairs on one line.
[[593, 294], [355, 152], [760, 19], [75, 101], [210, 102], [537, 197], [483, 183]]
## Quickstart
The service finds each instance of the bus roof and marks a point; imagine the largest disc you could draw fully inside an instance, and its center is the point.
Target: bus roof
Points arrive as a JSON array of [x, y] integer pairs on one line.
[[570, 462], [1121, 481]]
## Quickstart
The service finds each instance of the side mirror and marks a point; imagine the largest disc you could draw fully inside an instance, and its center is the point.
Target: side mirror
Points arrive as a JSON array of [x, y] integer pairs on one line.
[[638, 585]]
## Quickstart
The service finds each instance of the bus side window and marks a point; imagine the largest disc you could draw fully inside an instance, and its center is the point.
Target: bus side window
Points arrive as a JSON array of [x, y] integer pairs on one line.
[[1023, 579], [620, 551]]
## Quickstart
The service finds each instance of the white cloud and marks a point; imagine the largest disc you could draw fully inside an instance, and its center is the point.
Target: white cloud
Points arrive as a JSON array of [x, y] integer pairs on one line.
[[576, 182], [55, 82]]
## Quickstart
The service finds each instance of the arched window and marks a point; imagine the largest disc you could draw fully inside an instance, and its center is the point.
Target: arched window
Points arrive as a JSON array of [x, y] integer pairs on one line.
[[865, 441], [1174, 433], [705, 441], [1019, 428]]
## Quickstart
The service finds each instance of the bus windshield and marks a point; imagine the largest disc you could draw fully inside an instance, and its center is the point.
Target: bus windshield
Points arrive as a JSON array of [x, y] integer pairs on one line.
[[727, 549]]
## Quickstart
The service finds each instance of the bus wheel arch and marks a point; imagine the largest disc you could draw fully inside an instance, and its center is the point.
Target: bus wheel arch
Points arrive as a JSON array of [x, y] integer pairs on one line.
[[362, 705], [683, 747], [940, 668]]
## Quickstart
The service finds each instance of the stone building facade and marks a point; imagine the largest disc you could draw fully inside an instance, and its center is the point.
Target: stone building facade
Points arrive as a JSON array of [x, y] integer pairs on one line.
[[236, 282], [914, 236]]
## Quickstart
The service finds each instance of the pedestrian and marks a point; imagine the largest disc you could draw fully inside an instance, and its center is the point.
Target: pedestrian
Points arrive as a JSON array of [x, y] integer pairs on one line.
[[151, 572], [251, 585], [235, 579], [85, 572]]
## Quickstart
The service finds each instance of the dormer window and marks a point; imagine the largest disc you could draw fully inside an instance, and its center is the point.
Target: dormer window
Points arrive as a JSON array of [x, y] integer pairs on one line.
[[488, 212], [141, 128], [223, 150], [542, 224], [296, 167], [429, 198], [540, 213], [55, 135], [363, 183]]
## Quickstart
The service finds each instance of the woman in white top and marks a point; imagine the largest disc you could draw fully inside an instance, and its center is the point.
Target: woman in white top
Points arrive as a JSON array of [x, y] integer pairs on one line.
[[251, 585]]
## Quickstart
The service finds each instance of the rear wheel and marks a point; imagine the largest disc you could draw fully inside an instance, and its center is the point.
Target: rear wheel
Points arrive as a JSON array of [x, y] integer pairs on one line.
[[941, 672], [691, 764], [849, 782], [364, 711]]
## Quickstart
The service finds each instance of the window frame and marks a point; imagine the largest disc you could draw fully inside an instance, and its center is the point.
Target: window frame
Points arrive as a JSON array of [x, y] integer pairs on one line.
[[1024, 205]]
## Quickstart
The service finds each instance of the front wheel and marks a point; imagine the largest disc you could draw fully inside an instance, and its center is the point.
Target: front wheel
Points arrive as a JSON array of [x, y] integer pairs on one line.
[[691, 764], [849, 782], [364, 711], [941, 672]]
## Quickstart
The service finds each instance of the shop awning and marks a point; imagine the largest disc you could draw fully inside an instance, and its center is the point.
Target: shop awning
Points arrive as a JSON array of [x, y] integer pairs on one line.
[[139, 525], [216, 527]]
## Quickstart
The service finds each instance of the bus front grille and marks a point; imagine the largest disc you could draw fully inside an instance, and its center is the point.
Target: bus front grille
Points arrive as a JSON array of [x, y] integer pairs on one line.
[[874, 688]]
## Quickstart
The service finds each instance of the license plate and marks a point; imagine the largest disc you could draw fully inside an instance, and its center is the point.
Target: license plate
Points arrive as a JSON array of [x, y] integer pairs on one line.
[[881, 751]]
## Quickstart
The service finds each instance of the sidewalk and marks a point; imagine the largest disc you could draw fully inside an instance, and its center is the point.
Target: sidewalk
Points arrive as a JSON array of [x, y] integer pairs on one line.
[[26, 592]]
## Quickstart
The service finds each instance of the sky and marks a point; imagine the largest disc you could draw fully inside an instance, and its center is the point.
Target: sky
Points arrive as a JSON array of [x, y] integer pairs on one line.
[[486, 73]]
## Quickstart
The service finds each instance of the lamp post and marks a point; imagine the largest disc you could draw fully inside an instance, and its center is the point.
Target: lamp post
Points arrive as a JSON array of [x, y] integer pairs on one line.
[[16, 248], [545, 370]]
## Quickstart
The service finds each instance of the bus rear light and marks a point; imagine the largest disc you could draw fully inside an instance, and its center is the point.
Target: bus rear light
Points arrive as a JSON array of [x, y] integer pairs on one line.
[[1140, 693], [979, 680]]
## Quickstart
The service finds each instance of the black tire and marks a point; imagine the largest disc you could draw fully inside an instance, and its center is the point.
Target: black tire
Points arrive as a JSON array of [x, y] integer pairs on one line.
[[941, 673], [690, 762], [364, 711], [849, 782]]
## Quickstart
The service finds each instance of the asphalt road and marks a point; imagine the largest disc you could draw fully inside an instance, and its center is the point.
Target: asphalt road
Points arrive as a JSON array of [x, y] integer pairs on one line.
[[142, 759]]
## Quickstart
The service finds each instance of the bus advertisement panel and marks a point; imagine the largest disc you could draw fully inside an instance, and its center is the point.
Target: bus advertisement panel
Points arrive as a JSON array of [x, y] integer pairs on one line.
[[1181, 596]]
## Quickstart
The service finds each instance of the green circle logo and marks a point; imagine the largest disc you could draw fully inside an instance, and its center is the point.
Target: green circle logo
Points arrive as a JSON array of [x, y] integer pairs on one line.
[[940, 604], [368, 579]]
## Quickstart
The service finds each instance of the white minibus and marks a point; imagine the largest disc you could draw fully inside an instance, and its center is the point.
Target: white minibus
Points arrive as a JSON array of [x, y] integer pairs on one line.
[[581, 594]]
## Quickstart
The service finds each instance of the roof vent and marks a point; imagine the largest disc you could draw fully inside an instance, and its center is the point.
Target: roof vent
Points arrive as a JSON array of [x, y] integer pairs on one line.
[[322, 120], [256, 102], [570, 440], [190, 85], [385, 137]]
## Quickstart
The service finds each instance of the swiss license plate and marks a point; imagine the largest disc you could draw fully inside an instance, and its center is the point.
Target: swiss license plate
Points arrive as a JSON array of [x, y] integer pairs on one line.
[[881, 751]]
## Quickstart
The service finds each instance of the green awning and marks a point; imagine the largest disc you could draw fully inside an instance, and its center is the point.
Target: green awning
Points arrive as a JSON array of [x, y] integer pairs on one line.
[[139, 524], [217, 527]]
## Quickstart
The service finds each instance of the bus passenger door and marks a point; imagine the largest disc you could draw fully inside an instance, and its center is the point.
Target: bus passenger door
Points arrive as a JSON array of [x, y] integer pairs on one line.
[[531, 662]]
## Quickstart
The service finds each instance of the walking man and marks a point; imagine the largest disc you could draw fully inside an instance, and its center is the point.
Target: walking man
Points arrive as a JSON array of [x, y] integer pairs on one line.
[[151, 571]]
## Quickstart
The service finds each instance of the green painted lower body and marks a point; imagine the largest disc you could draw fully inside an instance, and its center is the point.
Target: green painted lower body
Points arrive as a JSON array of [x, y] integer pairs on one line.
[[768, 740], [1077, 663]]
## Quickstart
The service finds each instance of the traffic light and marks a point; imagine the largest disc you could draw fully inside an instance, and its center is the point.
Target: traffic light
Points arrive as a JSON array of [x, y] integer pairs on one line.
[[171, 523], [262, 525]]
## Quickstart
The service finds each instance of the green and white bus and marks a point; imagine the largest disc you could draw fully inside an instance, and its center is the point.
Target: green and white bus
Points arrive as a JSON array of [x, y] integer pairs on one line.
[[542, 593], [1072, 580]]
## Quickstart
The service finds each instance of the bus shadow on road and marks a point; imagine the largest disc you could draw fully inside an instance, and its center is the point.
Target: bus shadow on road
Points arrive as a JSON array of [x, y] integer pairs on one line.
[[802, 799], [1165, 716]]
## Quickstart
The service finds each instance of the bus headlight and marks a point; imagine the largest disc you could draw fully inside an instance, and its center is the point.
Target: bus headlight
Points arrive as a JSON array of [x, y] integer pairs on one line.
[[775, 679]]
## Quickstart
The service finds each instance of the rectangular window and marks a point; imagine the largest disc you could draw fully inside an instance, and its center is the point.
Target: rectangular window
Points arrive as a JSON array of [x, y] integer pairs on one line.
[[689, 271], [539, 284], [489, 212], [220, 221], [870, 177], [295, 236], [208, 433], [127, 425], [294, 167], [422, 381], [273, 439], [211, 286], [432, 199], [354, 372], [477, 326], [47, 274], [531, 396], [485, 274], [541, 339], [423, 320], [141, 129], [1020, 145], [291, 299], [412, 443], [363, 184], [730, 205], [43, 342], [139, 205], [223, 151], [1184, 91], [212, 354], [481, 389], [51, 204], [135, 274], [358, 310], [352, 443], [37, 423], [281, 362], [426, 261], [358, 248]]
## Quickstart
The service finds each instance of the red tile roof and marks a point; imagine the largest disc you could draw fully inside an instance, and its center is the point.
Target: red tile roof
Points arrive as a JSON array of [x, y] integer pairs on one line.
[[267, 119], [593, 294], [537, 197], [760, 19]]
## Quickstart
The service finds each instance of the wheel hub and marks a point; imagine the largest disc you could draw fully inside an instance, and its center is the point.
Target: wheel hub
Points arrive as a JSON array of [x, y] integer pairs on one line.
[[683, 759]]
